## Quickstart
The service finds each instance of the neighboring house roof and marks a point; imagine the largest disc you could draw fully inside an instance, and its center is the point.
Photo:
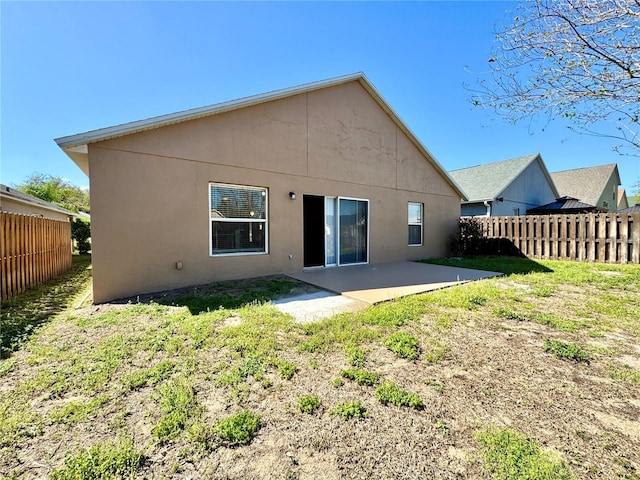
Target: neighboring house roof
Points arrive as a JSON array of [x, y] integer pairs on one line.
[[586, 184], [634, 209], [488, 181], [20, 197], [564, 205], [76, 146]]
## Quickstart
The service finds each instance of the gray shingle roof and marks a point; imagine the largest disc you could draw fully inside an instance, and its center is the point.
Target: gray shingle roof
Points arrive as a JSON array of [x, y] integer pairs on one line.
[[486, 182], [585, 184]]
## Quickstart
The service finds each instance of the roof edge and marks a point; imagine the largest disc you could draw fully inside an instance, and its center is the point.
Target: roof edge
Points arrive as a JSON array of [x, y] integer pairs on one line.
[[101, 134]]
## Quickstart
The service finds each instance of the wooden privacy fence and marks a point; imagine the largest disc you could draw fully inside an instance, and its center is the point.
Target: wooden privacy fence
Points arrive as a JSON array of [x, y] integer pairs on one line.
[[32, 250], [603, 237]]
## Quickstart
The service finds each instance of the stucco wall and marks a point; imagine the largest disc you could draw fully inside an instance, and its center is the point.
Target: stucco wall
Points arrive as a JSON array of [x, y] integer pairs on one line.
[[149, 191]]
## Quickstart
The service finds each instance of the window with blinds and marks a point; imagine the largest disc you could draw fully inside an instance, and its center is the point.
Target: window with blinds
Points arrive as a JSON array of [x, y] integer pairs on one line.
[[238, 219]]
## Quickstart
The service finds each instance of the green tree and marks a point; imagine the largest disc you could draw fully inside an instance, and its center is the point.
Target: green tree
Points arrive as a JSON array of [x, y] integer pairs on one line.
[[61, 192], [572, 59], [56, 190], [635, 193]]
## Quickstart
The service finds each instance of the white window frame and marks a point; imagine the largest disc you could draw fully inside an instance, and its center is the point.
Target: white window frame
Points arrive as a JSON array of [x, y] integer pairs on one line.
[[420, 224], [265, 221]]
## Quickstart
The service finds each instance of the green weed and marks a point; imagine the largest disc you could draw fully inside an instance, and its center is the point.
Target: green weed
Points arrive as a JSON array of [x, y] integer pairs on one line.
[[437, 386], [76, 411], [148, 376], [361, 377], [348, 410], [569, 351], [509, 454], [201, 435], [117, 460], [6, 366], [238, 429], [509, 314], [355, 356], [625, 373], [177, 401], [337, 382], [442, 427], [388, 392], [308, 403], [404, 345], [287, 369]]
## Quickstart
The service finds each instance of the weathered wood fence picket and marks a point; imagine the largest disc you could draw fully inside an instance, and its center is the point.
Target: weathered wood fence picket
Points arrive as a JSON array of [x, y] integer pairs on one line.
[[603, 237], [32, 250]]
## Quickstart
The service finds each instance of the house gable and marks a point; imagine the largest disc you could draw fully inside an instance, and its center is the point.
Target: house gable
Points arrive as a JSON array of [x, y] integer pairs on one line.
[[592, 185], [508, 187]]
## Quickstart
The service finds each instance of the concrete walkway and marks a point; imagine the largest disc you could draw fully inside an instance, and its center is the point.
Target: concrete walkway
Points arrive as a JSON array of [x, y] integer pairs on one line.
[[378, 283]]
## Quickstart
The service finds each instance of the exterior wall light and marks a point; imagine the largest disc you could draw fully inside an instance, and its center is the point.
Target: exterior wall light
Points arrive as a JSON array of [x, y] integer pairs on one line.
[[292, 195]]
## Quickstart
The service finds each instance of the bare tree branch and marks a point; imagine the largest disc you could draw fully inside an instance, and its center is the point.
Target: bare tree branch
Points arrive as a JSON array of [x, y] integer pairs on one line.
[[573, 59]]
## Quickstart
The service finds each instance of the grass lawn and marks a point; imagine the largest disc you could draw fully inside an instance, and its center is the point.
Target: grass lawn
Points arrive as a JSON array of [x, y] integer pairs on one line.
[[534, 375]]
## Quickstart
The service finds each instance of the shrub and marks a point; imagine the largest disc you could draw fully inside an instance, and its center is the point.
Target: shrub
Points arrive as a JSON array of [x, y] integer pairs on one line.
[[570, 351], [104, 460], [308, 403], [404, 345], [349, 410], [361, 377], [81, 232], [389, 392], [466, 241], [238, 429]]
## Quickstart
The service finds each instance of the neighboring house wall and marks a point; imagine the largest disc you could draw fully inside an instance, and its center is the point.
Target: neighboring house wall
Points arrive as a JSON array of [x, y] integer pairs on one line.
[[150, 190], [475, 209], [13, 206], [10, 205], [609, 197], [530, 189]]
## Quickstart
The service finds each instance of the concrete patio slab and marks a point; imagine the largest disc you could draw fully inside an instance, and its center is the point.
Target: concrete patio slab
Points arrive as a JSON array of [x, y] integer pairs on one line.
[[311, 307], [378, 283]]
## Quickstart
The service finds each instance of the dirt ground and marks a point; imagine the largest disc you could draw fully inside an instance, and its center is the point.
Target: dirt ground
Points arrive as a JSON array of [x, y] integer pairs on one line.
[[494, 373]]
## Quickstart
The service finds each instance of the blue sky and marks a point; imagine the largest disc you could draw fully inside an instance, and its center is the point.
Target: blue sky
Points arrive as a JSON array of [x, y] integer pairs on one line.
[[70, 67]]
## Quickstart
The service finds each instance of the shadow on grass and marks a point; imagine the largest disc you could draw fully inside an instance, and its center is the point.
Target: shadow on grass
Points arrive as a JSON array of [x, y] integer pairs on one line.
[[506, 265], [227, 295], [21, 315]]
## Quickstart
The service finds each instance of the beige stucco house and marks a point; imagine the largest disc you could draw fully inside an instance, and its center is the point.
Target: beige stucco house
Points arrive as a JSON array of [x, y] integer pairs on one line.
[[316, 176]]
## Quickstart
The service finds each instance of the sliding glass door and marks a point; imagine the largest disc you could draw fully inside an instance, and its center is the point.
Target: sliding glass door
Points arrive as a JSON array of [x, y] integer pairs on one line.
[[353, 228]]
